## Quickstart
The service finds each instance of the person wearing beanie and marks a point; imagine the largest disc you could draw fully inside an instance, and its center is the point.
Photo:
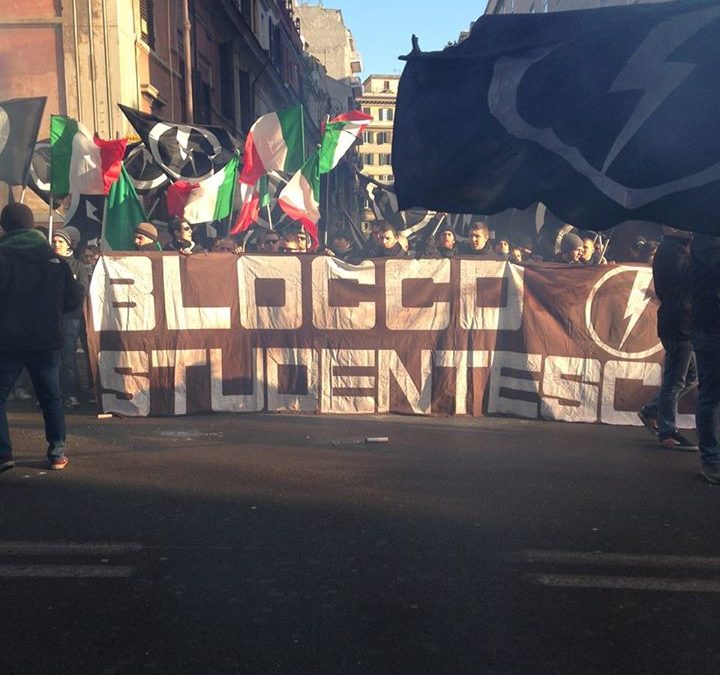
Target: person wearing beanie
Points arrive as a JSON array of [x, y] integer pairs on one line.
[[146, 237], [36, 287], [64, 242], [571, 249], [445, 243]]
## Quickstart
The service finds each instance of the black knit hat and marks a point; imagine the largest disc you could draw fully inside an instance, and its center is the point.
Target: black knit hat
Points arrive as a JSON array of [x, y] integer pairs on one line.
[[16, 216]]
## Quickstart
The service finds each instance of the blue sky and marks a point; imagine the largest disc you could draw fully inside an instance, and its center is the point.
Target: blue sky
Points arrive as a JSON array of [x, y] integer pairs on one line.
[[382, 28]]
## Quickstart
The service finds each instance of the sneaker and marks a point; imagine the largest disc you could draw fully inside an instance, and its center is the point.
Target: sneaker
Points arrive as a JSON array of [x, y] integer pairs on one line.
[[650, 423], [676, 441], [59, 463], [72, 403], [711, 474], [6, 463]]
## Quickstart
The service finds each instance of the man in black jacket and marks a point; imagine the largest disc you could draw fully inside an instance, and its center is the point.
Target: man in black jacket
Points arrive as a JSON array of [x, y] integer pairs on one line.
[[36, 287], [671, 275], [705, 294]]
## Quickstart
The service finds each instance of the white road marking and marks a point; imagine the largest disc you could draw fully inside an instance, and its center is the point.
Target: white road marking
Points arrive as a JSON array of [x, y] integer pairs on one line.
[[63, 548], [621, 559], [628, 583], [66, 571]]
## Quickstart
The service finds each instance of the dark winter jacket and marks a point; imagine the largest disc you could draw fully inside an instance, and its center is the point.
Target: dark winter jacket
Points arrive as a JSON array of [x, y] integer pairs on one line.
[[705, 283], [80, 274], [487, 252], [671, 275], [36, 287]]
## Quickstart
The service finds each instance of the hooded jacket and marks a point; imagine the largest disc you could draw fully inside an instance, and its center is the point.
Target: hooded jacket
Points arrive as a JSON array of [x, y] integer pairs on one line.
[[36, 287]]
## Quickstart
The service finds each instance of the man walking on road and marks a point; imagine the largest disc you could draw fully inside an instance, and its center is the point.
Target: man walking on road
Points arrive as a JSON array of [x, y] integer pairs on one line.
[[36, 287], [705, 290], [671, 275]]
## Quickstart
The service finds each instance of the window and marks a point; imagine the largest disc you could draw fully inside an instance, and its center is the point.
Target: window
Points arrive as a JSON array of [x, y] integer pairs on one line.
[[368, 136], [367, 111], [385, 159], [147, 23], [385, 114], [368, 158], [383, 137]]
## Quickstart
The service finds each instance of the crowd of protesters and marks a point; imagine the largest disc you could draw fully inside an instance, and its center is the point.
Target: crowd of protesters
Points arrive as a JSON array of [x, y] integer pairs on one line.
[[686, 274], [385, 240]]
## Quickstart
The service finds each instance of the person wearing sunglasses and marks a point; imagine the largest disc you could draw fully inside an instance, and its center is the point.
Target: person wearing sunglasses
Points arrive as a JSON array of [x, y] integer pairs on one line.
[[268, 241], [182, 238]]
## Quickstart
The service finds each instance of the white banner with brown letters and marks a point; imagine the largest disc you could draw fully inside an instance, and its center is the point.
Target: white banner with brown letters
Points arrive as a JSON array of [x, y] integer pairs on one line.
[[171, 335]]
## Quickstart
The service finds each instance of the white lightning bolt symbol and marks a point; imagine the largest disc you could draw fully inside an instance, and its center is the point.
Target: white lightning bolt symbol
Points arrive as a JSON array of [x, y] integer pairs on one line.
[[649, 71], [637, 301]]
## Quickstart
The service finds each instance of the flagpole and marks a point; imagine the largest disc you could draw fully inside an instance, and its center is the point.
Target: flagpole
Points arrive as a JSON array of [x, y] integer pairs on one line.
[[50, 217], [22, 194], [269, 215], [302, 131]]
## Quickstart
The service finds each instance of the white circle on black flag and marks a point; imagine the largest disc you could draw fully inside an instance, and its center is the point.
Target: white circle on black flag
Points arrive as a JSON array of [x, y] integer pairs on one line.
[[4, 128]]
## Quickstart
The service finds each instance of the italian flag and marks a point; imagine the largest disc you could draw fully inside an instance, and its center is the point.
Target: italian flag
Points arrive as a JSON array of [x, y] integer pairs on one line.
[[253, 198], [300, 198], [79, 163], [208, 200], [339, 135], [274, 143], [122, 214]]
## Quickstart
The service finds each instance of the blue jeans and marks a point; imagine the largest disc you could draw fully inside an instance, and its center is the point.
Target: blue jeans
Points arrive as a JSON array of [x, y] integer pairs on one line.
[[707, 413], [68, 360], [44, 368], [679, 376]]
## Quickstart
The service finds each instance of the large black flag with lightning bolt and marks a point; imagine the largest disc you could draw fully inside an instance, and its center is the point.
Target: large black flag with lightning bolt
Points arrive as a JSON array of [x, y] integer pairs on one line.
[[603, 115]]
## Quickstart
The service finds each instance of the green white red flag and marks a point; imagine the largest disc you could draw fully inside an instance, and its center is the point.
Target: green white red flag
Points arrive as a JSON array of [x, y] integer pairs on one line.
[[208, 200], [300, 198], [123, 212], [338, 137], [274, 143], [79, 163]]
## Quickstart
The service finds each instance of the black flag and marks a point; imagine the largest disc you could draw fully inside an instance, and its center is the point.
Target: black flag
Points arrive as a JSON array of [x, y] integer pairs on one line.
[[145, 173], [19, 123], [604, 115], [183, 150]]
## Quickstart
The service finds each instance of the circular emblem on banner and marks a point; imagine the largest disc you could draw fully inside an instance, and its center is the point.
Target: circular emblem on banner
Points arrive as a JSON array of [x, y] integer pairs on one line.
[[4, 128], [620, 313]]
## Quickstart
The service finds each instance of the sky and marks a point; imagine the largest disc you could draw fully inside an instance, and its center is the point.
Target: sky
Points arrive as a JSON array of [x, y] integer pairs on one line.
[[382, 28]]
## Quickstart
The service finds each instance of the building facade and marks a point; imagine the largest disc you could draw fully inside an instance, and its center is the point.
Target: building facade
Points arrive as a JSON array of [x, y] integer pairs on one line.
[[246, 59], [379, 100]]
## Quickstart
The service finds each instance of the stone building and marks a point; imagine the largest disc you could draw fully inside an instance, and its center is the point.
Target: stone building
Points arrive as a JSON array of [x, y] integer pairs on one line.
[[246, 58], [379, 100]]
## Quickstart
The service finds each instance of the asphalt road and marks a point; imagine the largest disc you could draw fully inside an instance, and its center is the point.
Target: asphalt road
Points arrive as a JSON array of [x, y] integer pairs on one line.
[[286, 544]]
